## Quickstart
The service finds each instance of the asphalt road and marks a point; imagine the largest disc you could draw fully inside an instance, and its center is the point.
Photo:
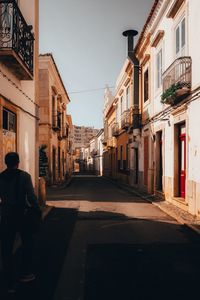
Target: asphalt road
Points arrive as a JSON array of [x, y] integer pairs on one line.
[[124, 248], [100, 242]]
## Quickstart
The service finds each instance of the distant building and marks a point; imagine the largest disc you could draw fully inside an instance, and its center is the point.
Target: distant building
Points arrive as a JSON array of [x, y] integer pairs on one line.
[[92, 155], [82, 135], [81, 138]]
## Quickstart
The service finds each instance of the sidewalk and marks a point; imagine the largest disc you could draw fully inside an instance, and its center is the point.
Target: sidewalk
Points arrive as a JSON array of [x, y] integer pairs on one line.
[[178, 214]]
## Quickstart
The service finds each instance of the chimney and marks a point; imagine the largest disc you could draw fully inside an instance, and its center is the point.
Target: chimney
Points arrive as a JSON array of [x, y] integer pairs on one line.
[[130, 34]]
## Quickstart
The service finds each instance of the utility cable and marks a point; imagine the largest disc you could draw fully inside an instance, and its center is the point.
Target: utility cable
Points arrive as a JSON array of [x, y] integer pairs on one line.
[[91, 90], [18, 88]]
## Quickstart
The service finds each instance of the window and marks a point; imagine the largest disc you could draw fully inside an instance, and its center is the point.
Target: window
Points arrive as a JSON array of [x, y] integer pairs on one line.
[[146, 85], [117, 113], [180, 38], [121, 157], [127, 156], [9, 120], [127, 98], [122, 102], [159, 69]]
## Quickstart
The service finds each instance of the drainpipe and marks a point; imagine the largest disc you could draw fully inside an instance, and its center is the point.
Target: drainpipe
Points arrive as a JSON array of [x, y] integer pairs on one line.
[[132, 57]]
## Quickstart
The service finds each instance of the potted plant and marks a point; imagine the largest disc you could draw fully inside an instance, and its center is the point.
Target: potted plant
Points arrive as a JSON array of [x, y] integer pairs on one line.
[[175, 91]]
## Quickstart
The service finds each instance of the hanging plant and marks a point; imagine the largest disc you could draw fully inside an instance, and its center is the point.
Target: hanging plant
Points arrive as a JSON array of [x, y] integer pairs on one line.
[[176, 89]]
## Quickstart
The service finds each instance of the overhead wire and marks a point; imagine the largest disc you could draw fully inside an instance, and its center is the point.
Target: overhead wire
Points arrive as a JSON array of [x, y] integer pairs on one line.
[[91, 90]]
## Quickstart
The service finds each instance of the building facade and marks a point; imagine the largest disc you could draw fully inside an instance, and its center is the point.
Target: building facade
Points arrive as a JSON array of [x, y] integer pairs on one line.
[[169, 100], [118, 128], [81, 135], [54, 124], [99, 154], [19, 83], [157, 146]]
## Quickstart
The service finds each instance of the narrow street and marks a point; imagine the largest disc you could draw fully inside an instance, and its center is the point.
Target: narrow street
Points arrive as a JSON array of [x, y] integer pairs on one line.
[[123, 247], [100, 242]]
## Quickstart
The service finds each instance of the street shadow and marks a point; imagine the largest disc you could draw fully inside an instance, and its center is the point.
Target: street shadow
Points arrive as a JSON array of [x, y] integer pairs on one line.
[[166, 271], [147, 262], [163, 262], [107, 192], [50, 248]]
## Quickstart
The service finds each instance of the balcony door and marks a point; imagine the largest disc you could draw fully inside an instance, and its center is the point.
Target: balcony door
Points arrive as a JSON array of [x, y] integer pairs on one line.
[[180, 38], [159, 161]]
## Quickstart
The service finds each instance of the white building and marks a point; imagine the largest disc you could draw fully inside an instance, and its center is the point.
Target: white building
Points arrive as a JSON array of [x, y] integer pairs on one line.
[[18, 83], [169, 147]]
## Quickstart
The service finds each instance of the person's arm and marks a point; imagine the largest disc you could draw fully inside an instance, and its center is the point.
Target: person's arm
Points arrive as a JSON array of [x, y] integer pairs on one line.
[[31, 197]]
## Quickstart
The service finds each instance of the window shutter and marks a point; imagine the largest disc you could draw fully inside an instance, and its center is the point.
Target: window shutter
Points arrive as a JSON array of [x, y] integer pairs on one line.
[[177, 40], [183, 33]]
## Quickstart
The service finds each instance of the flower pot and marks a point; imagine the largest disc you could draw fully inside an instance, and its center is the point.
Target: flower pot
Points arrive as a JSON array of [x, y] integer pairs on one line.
[[180, 92], [169, 100]]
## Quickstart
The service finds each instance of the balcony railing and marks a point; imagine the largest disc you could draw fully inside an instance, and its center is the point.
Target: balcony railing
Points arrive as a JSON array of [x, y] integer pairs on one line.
[[115, 129], [177, 80], [126, 119], [16, 40], [111, 142], [56, 121], [104, 141], [65, 131]]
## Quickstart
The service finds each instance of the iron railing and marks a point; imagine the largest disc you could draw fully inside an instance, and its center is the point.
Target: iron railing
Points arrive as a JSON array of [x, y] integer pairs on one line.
[[111, 142], [179, 72], [65, 131], [56, 120], [126, 119], [15, 34], [115, 129]]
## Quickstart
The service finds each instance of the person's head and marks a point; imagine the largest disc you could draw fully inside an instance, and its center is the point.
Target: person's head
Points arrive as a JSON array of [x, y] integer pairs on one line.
[[12, 160]]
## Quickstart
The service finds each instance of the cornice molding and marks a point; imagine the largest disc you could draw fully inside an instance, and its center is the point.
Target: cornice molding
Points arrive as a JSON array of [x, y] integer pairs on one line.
[[175, 8], [157, 38]]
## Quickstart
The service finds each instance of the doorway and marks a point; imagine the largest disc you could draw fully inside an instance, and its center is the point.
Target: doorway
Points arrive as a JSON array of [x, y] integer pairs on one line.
[[159, 161]]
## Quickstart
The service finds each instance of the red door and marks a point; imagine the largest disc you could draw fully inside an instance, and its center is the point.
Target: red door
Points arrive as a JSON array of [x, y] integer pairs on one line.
[[182, 161]]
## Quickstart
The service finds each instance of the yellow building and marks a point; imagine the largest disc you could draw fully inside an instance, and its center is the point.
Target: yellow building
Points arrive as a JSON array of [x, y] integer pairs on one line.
[[54, 123]]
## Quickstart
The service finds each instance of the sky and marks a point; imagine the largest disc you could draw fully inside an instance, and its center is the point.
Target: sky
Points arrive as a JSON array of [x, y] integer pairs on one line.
[[85, 38]]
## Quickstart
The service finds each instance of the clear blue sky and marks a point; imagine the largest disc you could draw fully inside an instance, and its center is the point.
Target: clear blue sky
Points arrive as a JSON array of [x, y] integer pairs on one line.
[[85, 37]]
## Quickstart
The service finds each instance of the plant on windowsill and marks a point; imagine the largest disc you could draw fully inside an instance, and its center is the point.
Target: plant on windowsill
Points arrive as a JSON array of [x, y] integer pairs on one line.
[[173, 92]]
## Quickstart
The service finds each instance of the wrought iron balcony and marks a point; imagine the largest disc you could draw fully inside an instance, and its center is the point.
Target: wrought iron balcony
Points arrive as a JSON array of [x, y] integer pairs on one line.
[[16, 40], [56, 121], [177, 80], [115, 129], [104, 141], [111, 142], [65, 131], [126, 119]]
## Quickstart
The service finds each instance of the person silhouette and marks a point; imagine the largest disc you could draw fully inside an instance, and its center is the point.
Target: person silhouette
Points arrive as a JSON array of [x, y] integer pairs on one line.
[[17, 195]]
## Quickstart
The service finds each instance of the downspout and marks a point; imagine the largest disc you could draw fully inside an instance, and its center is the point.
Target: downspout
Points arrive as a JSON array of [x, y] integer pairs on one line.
[[132, 57]]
